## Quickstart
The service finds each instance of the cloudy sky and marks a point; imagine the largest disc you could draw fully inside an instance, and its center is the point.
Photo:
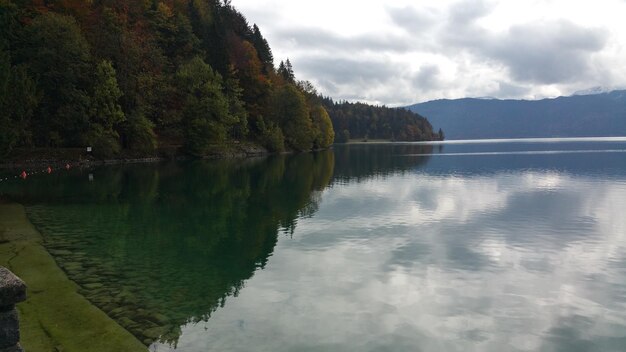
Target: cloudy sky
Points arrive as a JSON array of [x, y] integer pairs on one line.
[[398, 52]]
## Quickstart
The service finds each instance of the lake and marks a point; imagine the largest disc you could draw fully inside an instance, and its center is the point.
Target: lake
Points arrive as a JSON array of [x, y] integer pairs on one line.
[[463, 246]]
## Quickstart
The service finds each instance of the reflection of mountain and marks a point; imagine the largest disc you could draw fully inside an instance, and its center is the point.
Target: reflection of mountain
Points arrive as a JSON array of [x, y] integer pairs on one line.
[[360, 161], [157, 247]]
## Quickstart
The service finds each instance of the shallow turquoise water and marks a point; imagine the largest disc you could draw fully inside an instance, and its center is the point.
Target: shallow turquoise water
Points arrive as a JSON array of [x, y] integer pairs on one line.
[[517, 246]]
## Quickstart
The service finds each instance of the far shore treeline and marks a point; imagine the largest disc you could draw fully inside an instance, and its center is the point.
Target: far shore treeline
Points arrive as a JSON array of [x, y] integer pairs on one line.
[[132, 76]]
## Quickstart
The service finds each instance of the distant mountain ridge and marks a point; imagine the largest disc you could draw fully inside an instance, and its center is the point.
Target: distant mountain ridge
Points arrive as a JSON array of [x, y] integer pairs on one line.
[[594, 91], [589, 115]]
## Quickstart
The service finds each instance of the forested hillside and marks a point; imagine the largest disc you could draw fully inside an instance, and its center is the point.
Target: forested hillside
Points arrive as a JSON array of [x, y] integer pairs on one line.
[[363, 121], [126, 76]]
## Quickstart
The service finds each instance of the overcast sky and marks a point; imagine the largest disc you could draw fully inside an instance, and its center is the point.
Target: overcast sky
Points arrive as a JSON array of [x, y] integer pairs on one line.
[[398, 52]]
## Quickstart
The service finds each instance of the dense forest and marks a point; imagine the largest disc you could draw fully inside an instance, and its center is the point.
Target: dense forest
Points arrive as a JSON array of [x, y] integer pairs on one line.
[[359, 121], [126, 75], [363, 122], [129, 76]]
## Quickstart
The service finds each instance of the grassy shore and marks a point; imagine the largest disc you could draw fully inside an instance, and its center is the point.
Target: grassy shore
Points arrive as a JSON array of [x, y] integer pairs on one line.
[[54, 317]]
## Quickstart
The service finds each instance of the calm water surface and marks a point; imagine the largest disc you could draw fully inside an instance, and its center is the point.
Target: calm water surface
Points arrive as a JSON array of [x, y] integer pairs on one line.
[[509, 246]]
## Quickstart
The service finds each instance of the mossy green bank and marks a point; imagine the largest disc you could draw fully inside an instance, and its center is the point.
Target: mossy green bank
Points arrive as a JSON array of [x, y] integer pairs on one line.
[[55, 317]]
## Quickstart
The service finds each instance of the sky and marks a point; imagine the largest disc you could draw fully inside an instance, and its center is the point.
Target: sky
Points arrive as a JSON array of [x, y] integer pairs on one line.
[[400, 52]]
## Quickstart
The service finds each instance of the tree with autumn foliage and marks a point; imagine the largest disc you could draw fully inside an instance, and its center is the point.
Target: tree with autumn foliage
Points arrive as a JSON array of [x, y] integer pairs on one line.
[[325, 134], [128, 77]]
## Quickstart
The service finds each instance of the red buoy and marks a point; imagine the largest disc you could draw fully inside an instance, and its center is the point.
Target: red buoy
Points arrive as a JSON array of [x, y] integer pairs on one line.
[[23, 175], [49, 170]]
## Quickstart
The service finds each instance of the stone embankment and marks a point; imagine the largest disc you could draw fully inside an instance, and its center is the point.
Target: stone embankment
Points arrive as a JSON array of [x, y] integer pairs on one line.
[[12, 291], [55, 317]]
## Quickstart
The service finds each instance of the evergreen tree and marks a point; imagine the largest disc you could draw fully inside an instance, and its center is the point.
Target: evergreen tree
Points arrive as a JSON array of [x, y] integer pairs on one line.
[[263, 49], [343, 137], [18, 99], [174, 36], [58, 54], [291, 77], [9, 25], [207, 21], [236, 106], [285, 70]]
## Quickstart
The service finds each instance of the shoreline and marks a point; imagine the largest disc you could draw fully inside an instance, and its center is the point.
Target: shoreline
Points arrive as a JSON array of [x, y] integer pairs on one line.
[[59, 157], [54, 317]]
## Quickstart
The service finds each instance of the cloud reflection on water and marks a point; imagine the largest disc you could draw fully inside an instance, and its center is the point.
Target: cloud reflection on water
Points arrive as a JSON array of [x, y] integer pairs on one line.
[[524, 261]]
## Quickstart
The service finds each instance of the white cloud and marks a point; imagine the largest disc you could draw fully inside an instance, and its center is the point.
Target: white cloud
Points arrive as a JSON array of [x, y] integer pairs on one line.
[[447, 49]]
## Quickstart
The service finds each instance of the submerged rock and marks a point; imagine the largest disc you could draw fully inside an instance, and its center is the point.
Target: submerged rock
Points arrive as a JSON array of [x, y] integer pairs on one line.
[[93, 286], [156, 332]]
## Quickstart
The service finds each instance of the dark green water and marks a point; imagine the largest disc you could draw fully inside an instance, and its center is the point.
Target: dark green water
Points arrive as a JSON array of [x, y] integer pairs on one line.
[[461, 247]]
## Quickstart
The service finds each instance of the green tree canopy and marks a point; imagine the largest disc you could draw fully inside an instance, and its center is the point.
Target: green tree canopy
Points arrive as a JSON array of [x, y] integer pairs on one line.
[[105, 113], [58, 54], [105, 109], [236, 106], [323, 126], [120, 75], [289, 110], [206, 117], [18, 99], [139, 134]]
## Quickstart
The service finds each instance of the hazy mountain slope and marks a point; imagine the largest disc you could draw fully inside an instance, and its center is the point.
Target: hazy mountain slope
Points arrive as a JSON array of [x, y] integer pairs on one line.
[[574, 116]]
